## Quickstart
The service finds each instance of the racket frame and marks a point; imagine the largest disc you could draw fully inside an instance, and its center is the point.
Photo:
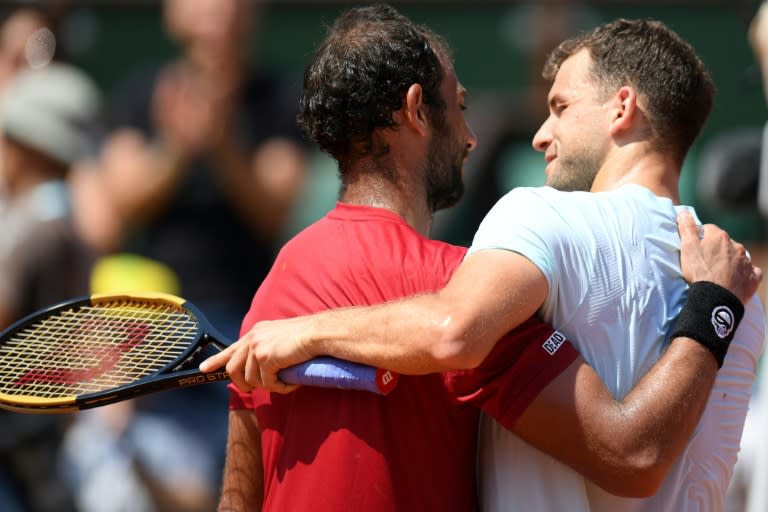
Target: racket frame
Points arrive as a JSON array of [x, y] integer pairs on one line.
[[170, 376]]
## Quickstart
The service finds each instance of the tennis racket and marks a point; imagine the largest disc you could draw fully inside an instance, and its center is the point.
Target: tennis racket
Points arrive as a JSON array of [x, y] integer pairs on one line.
[[103, 349]]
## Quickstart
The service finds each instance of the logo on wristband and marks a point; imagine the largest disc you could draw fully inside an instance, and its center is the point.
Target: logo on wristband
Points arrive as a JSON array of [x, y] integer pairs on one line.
[[722, 320]]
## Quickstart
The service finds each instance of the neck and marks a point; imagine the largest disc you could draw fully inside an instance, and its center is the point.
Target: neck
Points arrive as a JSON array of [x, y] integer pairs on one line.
[[405, 199], [653, 170]]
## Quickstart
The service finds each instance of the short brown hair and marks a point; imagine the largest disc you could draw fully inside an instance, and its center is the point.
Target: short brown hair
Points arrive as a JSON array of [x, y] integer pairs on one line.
[[663, 69]]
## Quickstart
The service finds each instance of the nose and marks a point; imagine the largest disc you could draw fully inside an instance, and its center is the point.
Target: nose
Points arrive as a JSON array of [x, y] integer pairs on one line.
[[471, 139], [542, 138]]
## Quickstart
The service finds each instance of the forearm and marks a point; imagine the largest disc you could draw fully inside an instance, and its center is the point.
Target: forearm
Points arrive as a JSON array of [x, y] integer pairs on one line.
[[243, 481], [413, 336], [454, 328], [140, 176], [625, 446], [159, 185], [655, 421]]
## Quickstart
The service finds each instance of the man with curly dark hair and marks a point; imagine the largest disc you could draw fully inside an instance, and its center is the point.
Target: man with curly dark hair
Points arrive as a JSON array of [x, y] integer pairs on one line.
[[382, 97], [356, 85]]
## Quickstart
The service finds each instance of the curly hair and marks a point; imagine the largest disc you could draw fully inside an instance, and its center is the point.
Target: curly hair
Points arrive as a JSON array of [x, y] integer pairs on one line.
[[664, 70], [360, 74]]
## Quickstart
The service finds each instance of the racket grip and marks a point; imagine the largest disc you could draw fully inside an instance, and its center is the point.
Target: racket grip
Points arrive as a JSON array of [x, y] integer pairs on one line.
[[329, 372]]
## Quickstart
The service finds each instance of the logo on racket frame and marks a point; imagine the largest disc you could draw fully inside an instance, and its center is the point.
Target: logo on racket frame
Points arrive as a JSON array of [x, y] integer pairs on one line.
[[107, 355]]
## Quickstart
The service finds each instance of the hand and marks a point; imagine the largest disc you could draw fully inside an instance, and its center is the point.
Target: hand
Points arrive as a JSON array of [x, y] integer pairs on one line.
[[191, 111], [716, 258], [255, 359]]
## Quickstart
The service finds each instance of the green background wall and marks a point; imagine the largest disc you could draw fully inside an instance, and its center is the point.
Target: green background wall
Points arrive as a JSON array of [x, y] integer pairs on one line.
[[111, 39]]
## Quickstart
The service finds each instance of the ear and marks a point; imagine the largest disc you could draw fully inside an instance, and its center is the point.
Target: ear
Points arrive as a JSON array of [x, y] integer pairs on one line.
[[415, 110], [625, 113]]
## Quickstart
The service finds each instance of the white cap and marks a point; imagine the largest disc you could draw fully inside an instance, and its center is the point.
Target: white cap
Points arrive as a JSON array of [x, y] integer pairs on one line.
[[51, 109]]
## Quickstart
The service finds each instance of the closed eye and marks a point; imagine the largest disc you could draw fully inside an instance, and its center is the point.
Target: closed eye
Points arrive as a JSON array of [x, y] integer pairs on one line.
[[557, 104]]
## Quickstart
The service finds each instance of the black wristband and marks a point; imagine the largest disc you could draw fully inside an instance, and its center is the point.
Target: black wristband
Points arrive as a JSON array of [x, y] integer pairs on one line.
[[710, 317]]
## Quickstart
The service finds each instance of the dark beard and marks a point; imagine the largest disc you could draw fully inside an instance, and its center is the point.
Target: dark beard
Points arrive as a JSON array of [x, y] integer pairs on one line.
[[443, 174], [447, 196]]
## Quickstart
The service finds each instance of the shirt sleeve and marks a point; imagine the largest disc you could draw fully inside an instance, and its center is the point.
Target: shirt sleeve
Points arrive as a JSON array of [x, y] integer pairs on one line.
[[503, 226], [520, 365], [239, 399], [535, 223]]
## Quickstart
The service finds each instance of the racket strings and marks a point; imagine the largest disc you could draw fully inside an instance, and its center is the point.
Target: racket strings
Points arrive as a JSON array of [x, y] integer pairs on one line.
[[92, 348]]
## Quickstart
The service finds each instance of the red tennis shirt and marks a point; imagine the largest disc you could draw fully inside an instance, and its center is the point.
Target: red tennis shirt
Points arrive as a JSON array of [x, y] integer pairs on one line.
[[333, 450]]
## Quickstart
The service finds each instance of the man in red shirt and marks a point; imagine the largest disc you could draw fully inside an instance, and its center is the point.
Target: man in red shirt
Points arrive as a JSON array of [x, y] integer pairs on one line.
[[381, 96], [413, 449]]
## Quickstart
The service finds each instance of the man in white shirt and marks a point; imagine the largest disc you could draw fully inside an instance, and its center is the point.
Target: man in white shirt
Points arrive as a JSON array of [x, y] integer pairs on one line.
[[627, 101]]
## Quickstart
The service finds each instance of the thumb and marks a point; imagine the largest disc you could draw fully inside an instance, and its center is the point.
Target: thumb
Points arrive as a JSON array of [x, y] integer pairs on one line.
[[686, 225]]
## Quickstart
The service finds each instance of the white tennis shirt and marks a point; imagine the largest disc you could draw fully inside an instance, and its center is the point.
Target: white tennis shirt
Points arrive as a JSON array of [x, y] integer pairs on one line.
[[612, 263]]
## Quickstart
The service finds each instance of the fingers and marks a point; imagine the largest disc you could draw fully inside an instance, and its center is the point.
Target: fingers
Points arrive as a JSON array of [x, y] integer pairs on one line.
[[716, 234], [686, 224], [239, 371], [251, 374], [247, 374], [218, 360], [272, 382], [244, 369], [709, 254], [233, 358]]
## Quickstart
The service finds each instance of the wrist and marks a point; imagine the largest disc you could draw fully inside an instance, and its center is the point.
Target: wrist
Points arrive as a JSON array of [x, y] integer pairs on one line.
[[309, 345], [710, 316]]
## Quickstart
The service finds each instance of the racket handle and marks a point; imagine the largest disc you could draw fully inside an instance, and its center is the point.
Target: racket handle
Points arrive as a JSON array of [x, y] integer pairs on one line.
[[329, 372]]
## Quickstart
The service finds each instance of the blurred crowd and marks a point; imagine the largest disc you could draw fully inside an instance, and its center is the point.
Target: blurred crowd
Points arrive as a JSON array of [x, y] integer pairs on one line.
[[184, 178], [181, 180]]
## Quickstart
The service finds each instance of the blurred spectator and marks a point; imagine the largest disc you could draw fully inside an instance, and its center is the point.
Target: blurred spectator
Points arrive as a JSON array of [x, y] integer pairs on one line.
[[26, 40], [749, 487], [44, 118], [729, 178], [758, 40], [199, 171], [202, 163], [119, 459]]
